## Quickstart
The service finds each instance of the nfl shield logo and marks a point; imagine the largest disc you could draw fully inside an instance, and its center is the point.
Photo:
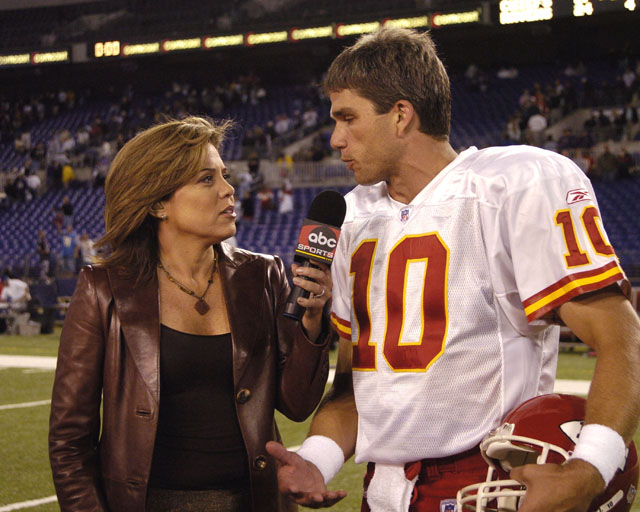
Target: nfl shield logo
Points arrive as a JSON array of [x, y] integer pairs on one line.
[[404, 214], [448, 506]]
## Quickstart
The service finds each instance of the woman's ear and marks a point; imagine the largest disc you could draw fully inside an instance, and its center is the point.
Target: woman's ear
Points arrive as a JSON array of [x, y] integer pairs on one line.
[[158, 211]]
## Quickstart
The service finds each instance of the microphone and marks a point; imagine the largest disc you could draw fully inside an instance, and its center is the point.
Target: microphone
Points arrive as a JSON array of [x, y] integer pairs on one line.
[[317, 241]]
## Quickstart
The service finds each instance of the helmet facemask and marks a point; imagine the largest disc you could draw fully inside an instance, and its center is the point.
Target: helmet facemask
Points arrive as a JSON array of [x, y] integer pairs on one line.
[[504, 451]]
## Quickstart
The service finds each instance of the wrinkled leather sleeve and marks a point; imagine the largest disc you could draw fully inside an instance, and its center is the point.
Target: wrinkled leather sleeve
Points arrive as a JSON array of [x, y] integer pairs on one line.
[[303, 365], [74, 425]]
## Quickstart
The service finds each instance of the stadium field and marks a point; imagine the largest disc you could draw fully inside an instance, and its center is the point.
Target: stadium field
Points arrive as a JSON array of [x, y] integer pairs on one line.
[[25, 478]]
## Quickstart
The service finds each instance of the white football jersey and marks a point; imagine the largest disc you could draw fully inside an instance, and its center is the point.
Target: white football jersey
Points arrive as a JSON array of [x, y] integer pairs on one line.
[[446, 299]]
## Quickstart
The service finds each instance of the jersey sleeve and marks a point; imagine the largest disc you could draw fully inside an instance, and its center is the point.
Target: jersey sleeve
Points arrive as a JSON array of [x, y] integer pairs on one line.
[[556, 238], [341, 296]]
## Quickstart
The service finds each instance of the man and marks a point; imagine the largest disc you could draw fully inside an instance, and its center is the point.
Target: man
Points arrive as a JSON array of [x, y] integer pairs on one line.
[[69, 242], [450, 277], [44, 253], [15, 293], [14, 297]]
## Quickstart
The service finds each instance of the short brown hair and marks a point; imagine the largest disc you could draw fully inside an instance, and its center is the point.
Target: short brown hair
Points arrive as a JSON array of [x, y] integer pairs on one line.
[[148, 169], [392, 64]]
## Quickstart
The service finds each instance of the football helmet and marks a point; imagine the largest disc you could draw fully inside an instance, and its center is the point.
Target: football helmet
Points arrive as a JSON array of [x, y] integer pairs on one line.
[[542, 429]]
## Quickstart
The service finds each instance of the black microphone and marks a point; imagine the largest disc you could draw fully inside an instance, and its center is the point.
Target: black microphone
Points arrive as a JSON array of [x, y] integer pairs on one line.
[[317, 241]]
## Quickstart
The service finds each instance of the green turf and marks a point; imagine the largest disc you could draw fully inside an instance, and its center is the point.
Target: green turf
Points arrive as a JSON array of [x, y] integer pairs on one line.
[[24, 470], [42, 345]]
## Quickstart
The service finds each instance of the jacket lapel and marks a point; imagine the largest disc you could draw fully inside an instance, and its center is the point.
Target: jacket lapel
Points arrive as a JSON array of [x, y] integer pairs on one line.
[[138, 310], [243, 287]]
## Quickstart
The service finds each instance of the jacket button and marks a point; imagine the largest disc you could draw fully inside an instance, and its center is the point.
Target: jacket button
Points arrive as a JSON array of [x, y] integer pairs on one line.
[[260, 462], [243, 395]]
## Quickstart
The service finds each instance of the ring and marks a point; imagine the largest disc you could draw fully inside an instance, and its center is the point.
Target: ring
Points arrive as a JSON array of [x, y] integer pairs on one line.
[[318, 296]]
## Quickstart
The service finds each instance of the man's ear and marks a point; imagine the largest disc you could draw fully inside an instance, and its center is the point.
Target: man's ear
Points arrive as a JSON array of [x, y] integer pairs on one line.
[[405, 116]]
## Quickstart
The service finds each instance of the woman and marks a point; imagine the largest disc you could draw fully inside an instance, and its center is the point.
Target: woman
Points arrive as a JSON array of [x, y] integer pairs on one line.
[[183, 338]]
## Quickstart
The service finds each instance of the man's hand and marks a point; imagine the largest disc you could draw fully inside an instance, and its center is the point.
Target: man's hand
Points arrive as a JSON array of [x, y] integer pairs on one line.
[[567, 488], [301, 480]]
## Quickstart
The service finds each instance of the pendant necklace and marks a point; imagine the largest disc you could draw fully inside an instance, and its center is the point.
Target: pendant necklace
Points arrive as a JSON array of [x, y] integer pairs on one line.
[[201, 306]]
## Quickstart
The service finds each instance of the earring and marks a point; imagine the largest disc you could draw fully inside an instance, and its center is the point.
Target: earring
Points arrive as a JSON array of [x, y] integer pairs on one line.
[[163, 216]]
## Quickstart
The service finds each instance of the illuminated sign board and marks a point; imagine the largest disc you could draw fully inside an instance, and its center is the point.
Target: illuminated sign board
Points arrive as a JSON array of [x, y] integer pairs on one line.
[[50, 57], [520, 11], [508, 12], [106, 49], [16, 59], [297, 34], [417, 21], [456, 18], [140, 49], [221, 41], [357, 28], [172, 45], [267, 37]]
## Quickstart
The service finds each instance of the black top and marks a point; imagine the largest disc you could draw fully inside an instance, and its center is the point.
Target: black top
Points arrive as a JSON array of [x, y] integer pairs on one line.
[[199, 443]]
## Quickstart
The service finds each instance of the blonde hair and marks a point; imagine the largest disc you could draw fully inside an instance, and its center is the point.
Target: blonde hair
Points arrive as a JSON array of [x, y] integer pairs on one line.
[[148, 169]]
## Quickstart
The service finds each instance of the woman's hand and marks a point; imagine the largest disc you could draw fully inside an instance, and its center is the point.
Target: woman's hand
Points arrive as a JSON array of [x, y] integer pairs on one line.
[[319, 286]]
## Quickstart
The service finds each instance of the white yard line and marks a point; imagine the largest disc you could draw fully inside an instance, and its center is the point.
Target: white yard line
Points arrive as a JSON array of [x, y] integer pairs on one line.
[[24, 404], [28, 504], [28, 362], [572, 387]]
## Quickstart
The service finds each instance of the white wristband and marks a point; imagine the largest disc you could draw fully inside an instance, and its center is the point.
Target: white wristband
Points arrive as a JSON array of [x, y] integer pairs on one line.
[[602, 447], [325, 453]]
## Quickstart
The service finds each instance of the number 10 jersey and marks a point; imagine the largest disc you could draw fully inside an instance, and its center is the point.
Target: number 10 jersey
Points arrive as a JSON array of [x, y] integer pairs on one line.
[[447, 300]]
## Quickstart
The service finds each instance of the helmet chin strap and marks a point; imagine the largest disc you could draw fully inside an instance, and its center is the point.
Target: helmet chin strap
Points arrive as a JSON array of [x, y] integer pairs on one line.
[[509, 503]]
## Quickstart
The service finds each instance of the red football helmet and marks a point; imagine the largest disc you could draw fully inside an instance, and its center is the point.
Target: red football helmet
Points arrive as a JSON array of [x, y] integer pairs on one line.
[[542, 429]]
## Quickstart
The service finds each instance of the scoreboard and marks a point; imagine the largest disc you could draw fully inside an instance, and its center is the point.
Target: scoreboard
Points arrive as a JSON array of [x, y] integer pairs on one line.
[[522, 11]]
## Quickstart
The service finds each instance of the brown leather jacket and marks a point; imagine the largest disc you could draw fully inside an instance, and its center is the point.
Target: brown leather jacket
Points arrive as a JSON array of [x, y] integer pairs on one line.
[[110, 347]]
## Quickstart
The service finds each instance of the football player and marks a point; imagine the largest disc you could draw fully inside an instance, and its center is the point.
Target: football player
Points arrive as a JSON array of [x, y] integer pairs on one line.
[[452, 275]]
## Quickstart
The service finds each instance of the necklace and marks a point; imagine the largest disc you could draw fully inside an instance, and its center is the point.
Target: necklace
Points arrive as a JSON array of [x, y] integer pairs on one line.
[[201, 306]]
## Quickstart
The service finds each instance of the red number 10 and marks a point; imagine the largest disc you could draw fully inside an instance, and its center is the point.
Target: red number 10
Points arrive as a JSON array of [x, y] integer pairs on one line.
[[402, 356]]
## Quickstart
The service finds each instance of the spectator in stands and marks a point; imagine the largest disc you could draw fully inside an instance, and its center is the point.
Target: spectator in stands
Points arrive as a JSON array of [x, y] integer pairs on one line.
[[67, 211], [625, 164], [629, 81], [44, 255], [286, 195], [39, 156], [243, 193], [619, 123], [68, 244], [309, 120], [536, 126], [584, 160], [550, 143], [33, 183], [606, 168], [82, 140], [631, 118], [513, 133], [58, 220], [282, 127], [68, 174], [85, 251], [161, 328], [567, 140], [604, 127], [265, 198], [16, 186]]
